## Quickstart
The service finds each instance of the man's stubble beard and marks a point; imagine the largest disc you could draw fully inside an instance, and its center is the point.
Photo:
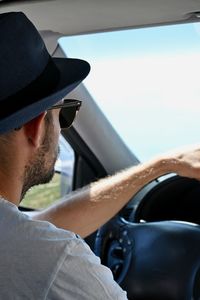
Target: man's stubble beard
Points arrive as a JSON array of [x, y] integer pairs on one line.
[[41, 169]]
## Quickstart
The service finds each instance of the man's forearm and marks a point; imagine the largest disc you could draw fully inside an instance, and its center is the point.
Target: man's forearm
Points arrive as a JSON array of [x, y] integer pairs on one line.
[[87, 209]]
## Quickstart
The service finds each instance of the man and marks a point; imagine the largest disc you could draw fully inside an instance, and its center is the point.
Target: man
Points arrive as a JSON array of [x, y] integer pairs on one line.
[[40, 260]]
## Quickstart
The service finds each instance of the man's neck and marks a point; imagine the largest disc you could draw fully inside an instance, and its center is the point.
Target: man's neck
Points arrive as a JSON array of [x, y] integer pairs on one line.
[[10, 188]]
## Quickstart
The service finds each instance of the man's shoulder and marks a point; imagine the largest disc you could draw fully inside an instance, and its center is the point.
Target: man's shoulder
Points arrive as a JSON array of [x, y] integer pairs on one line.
[[23, 232], [45, 232], [34, 249]]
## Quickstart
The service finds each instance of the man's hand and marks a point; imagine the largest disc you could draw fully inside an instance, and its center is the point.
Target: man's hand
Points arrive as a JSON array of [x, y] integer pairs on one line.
[[184, 162]]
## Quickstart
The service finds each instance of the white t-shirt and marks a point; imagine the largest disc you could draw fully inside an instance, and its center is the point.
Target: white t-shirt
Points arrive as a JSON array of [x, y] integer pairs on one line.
[[41, 261]]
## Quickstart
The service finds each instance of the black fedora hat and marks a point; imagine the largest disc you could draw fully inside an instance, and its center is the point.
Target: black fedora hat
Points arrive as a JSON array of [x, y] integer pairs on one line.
[[31, 81]]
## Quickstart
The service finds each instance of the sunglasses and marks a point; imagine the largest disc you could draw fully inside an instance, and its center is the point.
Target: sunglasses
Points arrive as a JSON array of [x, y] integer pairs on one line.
[[69, 109]]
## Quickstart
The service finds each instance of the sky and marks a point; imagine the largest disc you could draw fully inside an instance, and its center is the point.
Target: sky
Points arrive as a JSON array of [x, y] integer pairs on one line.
[[146, 82]]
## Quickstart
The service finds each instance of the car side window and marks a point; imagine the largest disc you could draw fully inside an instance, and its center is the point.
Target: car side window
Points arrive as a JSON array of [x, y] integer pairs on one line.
[[43, 195]]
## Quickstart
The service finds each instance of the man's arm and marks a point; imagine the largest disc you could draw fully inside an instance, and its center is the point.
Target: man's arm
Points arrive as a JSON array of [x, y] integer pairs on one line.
[[90, 207]]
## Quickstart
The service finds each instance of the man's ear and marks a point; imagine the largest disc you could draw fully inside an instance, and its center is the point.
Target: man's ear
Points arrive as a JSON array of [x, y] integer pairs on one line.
[[34, 130]]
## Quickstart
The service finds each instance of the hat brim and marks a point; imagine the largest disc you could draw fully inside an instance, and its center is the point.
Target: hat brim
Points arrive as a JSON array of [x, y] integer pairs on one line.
[[71, 73]]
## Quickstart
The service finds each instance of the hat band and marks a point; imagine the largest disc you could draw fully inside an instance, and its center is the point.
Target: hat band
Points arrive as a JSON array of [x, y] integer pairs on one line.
[[41, 87]]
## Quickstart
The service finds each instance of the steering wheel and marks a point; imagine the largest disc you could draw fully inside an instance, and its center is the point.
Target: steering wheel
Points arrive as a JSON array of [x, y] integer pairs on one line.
[[158, 260]]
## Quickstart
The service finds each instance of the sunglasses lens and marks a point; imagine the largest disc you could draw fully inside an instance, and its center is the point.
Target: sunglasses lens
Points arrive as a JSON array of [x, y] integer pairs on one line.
[[67, 116]]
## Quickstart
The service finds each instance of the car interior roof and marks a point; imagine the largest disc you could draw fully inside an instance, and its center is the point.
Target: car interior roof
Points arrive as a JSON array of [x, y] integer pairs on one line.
[[85, 16]]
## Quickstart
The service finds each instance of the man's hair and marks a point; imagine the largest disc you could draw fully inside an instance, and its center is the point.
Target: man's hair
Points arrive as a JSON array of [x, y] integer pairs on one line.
[[6, 146], [5, 138]]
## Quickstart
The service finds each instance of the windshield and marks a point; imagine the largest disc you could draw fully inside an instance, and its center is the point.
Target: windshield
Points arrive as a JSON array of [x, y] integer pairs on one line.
[[146, 82]]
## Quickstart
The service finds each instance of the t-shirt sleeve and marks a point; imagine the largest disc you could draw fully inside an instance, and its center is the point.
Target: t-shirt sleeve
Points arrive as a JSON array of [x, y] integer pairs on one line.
[[81, 276]]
